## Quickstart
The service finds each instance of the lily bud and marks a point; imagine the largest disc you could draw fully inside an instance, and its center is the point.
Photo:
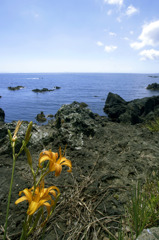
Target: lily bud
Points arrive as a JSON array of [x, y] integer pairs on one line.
[[28, 135]]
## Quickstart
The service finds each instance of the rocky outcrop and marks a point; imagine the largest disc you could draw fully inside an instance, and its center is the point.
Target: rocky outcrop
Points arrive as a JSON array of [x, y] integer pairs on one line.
[[15, 88], [136, 111], [42, 90], [153, 86], [2, 116]]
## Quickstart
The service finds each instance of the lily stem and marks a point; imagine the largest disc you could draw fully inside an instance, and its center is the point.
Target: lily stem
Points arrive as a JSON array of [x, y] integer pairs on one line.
[[10, 192]]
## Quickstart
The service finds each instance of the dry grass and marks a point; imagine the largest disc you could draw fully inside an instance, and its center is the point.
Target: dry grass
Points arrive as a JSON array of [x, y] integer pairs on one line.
[[77, 217]]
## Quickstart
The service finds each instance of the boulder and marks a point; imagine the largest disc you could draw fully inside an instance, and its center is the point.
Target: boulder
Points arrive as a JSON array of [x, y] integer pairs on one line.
[[74, 122], [153, 86], [114, 106], [2, 116], [76, 118], [136, 111]]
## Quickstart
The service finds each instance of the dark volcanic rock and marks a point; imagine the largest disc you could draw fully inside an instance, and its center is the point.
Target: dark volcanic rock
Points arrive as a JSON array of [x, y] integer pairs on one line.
[[42, 90], [15, 88], [41, 117], [153, 86], [2, 115], [136, 111], [75, 117], [114, 106]]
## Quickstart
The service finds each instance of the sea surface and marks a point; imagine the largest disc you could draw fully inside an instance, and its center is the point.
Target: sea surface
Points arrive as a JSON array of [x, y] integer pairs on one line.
[[91, 88]]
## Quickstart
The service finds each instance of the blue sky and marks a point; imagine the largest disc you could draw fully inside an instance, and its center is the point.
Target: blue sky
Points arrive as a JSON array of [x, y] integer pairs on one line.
[[79, 36]]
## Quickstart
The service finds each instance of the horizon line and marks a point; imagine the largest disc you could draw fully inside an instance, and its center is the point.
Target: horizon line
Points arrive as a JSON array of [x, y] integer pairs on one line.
[[78, 72]]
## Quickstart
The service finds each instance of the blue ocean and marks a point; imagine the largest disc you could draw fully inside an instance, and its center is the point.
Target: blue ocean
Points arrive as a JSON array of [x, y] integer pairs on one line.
[[91, 88]]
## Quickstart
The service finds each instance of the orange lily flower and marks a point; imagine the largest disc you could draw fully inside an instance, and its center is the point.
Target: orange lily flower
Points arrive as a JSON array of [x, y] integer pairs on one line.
[[40, 197], [55, 162]]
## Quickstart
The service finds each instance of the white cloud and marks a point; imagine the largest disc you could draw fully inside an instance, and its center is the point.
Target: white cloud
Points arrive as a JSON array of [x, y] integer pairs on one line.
[[131, 10], [126, 38], [110, 48], [131, 32], [100, 44], [109, 12], [149, 54], [112, 34], [149, 36], [118, 2]]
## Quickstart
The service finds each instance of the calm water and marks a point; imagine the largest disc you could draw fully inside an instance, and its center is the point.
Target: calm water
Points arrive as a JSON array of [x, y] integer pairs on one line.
[[91, 88]]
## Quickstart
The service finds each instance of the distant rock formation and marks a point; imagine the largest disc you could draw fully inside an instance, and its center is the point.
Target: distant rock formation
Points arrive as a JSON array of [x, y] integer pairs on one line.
[[15, 88], [154, 76], [153, 86], [37, 90], [136, 111], [42, 90]]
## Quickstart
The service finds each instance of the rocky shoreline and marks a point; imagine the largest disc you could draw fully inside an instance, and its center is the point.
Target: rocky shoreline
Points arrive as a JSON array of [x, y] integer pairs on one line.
[[108, 158]]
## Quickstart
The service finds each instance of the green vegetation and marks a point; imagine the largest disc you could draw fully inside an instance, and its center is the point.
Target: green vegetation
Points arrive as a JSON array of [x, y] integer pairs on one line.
[[153, 125], [142, 211]]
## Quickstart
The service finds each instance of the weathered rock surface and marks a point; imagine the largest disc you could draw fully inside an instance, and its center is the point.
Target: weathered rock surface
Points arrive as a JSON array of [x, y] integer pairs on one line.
[[136, 111], [107, 157], [149, 234], [153, 86], [15, 88]]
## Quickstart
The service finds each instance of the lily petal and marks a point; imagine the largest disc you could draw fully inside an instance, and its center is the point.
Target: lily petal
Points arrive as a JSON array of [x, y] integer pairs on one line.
[[20, 200]]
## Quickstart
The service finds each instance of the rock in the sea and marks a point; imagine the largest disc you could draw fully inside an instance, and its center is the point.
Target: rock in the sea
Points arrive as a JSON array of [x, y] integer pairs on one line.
[[2, 116], [153, 86], [15, 88], [154, 76], [56, 87], [42, 90], [41, 117], [136, 111]]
